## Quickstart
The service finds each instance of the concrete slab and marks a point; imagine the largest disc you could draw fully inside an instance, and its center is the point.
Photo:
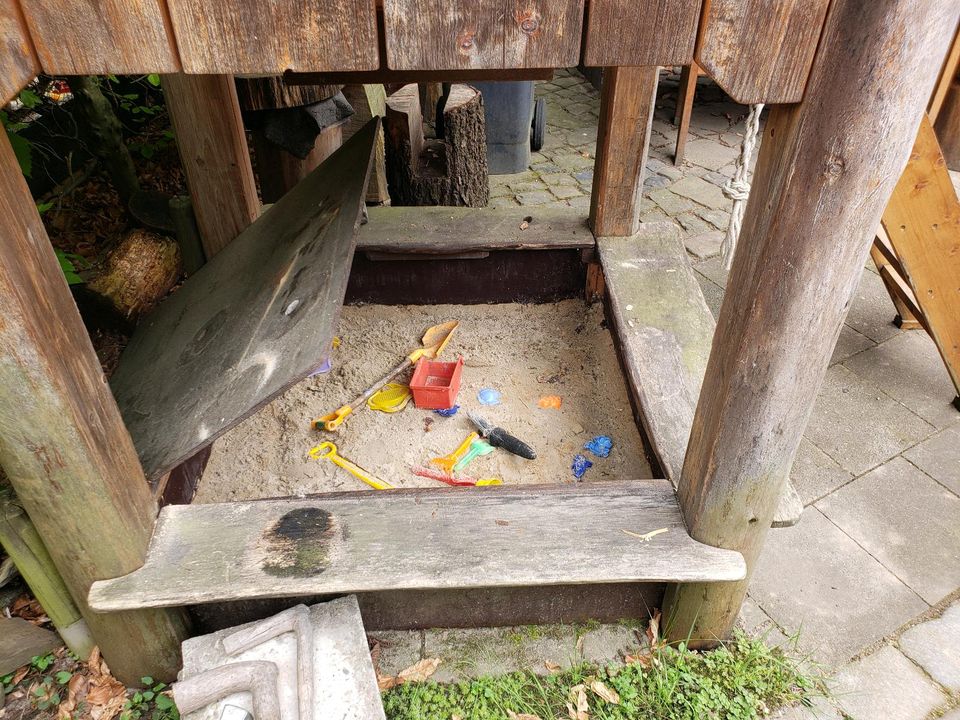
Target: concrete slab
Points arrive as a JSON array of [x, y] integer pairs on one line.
[[849, 344], [858, 425], [933, 645], [821, 709], [872, 310], [907, 521], [815, 578], [929, 392], [939, 457], [399, 649], [815, 474], [705, 245], [756, 623], [471, 653], [886, 685], [609, 643], [710, 154], [712, 293], [702, 192], [714, 270]]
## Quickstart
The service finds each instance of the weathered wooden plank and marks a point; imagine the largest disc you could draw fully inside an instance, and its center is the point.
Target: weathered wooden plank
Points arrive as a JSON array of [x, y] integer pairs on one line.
[[261, 36], [827, 166], [18, 61], [385, 76], [62, 442], [655, 32], [922, 221], [100, 37], [205, 115], [664, 331], [450, 230], [417, 539], [20, 642], [760, 51], [484, 34], [258, 317], [626, 116]]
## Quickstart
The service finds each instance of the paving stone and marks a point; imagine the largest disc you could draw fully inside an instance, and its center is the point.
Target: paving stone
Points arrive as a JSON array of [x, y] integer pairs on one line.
[[929, 392], [670, 202], [820, 709], [554, 644], [535, 197], [720, 219], [545, 168], [584, 177], [939, 457], [564, 192], [472, 652], [558, 178], [655, 215], [933, 646], [717, 178], [849, 343], [702, 192], [501, 203], [531, 186], [581, 136], [886, 685], [693, 225], [705, 245], [756, 623], [872, 310], [732, 139], [815, 474], [399, 649], [582, 202], [714, 270], [573, 161], [815, 578], [712, 293], [655, 181], [608, 643], [518, 178], [859, 426], [710, 154], [881, 511]]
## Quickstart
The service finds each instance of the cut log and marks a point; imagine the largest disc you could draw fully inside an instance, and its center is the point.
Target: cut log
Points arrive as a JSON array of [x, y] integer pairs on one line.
[[369, 101], [452, 171]]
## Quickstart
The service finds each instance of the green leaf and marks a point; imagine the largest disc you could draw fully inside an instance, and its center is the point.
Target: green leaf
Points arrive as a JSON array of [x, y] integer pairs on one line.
[[23, 151], [164, 702], [153, 79], [29, 98], [63, 677]]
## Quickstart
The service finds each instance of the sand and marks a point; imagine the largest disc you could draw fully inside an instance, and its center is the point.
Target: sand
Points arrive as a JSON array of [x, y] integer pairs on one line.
[[524, 351]]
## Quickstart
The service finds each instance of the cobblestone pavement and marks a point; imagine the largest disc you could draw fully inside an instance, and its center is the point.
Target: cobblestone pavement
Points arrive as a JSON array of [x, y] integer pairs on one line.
[[870, 577]]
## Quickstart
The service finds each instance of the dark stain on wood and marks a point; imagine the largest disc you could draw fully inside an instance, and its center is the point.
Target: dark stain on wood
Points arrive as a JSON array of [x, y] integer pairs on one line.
[[298, 543]]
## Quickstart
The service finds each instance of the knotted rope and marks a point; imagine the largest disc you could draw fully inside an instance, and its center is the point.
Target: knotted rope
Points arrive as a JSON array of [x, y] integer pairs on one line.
[[737, 188]]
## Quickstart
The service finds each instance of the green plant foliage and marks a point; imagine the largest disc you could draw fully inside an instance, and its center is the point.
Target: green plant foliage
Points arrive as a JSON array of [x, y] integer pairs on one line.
[[71, 264], [21, 146], [743, 680], [42, 662], [151, 702]]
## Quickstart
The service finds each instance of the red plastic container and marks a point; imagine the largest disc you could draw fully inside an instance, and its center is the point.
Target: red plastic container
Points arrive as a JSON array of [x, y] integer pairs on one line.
[[435, 384]]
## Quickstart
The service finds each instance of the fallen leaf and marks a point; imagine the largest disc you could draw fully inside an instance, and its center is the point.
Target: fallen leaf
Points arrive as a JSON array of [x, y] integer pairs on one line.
[[645, 536], [604, 692], [385, 682], [419, 671], [578, 695], [551, 666], [642, 660], [653, 629], [522, 716]]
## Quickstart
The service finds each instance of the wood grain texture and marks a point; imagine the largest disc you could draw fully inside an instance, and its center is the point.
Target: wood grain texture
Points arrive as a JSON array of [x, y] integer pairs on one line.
[[267, 93], [948, 73], [883, 255], [205, 115], [760, 51], [63, 444], [826, 168], [369, 101], [269, 37], [100, 37], [626, 116], [684, 109], [922, 221], [948, 126], [664, 331], [20, 642], [417, 539], [483, 34], [653, 32], [18, 61], [255, 319], [445, 230]]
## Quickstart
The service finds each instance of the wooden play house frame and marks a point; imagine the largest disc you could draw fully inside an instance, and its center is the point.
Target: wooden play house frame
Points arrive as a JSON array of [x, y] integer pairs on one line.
[[849, 80]]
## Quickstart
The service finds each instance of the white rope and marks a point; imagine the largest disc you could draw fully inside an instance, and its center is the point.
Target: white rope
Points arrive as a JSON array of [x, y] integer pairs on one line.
[[737, 188]]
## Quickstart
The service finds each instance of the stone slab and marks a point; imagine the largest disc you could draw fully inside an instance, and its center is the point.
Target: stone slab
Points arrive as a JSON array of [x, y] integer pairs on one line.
[[929, 391], [704, 245], [712, 293], [702, 192], [815, 474], [939, 457], [815, 578], [670, 202], [345, 686], [907, 521], [935, 646], [849, 343], [608, 644], [872, 311], [710, 154], [399, 649], [858, 425], [755, 622], [886, 685]]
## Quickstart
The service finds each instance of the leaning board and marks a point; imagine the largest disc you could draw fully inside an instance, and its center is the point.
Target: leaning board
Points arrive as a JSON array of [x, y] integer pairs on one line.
[[257, 318]]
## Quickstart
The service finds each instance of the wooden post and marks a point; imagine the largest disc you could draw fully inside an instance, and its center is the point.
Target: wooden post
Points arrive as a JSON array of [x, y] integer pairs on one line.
[[279, 170], [686, 92], [827, 166], [626, 115], [63, 444], [205, 115]]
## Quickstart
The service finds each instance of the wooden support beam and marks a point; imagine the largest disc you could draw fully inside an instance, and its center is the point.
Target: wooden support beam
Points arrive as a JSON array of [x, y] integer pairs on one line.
[[63, 444], [18, 64], [205, 115], [684, 109], [626, 115], [827, 166]]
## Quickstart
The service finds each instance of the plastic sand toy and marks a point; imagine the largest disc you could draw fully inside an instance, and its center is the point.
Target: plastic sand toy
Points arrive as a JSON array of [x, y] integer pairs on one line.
[[447, 462], [600, 445], [435, 384], [489, 396], [477, 448], [391, 398], [580, 466], [462, 481], [328, 451], [550, 402]]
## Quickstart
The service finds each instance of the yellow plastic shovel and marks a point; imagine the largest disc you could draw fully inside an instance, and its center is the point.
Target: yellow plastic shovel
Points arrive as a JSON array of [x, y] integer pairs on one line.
[[328, 451], [434, 340]]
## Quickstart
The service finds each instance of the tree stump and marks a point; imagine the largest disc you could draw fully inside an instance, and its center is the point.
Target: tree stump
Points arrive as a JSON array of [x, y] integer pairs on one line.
[[452, 171]]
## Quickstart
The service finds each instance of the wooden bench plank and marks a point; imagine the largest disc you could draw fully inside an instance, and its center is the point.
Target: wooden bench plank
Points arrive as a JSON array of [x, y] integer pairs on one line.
[[417, 539], [266, 36], [258, 317], [482, 34], [760, 51], [18, 62], [454, 230], [665, 332], [655, 32], [99, 37]]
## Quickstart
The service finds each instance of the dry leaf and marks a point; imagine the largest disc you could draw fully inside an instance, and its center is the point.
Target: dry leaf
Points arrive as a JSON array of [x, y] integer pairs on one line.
[[385, 682], [578, 695], [522, 716], [645, 536], [606, 693], [642, 660], [551, 666], [419, 671], [653, 629]]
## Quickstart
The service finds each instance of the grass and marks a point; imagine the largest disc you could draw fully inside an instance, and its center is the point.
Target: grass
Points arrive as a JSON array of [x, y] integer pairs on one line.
[[741, 680]]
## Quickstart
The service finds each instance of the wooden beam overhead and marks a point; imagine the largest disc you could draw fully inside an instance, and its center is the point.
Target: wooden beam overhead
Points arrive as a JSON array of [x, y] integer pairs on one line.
[[653, 32], [18, 62]]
